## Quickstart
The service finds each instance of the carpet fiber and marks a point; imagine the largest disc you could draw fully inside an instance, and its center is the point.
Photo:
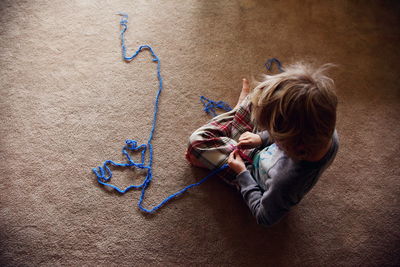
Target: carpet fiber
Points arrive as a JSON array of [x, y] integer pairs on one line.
[[68, 102]]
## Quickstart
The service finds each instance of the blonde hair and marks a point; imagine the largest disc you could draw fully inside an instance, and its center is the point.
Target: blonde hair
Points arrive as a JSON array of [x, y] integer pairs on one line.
[[297, 107]]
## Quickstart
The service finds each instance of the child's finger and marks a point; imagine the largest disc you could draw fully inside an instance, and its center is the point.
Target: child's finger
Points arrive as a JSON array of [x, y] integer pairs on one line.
[[242, 138], [245, 135], [237, 154], [243, 143], [234, 154], [230, 157]]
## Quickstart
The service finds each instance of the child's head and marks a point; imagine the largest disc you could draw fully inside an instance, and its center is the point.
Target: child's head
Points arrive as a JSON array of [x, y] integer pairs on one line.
[[298, 108]]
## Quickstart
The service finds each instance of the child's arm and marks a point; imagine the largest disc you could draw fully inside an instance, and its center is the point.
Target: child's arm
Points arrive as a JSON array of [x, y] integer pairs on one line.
[[267, 206]]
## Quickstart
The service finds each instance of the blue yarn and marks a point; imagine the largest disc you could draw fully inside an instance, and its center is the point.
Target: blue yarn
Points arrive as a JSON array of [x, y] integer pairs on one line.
[[104, 173], [269, 63], [211, 105]]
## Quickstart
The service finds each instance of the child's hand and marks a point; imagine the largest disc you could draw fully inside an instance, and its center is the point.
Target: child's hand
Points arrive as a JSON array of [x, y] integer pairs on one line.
[[249, 140], [235, 162]]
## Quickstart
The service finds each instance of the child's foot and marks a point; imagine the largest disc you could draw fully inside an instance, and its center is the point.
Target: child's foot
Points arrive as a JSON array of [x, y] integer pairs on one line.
[[245, 91]]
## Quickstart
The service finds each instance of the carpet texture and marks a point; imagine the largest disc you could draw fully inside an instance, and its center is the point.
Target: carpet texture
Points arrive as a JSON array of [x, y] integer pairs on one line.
[[68, 102]]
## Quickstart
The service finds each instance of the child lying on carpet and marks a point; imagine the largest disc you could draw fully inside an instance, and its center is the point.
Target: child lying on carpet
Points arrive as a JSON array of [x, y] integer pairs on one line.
[[277, 141]]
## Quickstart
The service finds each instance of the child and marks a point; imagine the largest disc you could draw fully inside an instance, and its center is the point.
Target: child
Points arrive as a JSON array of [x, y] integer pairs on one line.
[[277, 141]]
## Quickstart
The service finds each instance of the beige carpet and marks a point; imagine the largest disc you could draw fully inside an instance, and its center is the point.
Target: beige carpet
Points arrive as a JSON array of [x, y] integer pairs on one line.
[[68, 102]]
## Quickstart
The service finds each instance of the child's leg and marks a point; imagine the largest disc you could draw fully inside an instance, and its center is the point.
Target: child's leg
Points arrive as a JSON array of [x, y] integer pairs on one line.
[[208, 149], [211, 144]]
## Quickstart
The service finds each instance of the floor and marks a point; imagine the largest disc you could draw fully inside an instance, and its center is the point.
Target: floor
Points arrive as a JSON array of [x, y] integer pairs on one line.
[[68, 102]]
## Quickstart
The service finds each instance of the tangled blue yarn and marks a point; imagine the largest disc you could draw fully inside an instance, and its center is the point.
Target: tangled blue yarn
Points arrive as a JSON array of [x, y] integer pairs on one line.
[[104, 173], [211, 105]]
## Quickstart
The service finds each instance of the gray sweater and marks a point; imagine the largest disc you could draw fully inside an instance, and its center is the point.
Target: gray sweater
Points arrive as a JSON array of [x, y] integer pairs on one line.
[[274, 182]]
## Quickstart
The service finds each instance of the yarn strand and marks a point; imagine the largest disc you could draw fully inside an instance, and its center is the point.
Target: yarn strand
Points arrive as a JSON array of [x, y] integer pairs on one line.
[[104, 173]]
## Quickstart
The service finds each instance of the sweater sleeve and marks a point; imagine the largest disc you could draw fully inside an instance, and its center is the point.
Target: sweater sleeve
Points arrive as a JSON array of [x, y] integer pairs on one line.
[[267, 206], [264, 138]]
